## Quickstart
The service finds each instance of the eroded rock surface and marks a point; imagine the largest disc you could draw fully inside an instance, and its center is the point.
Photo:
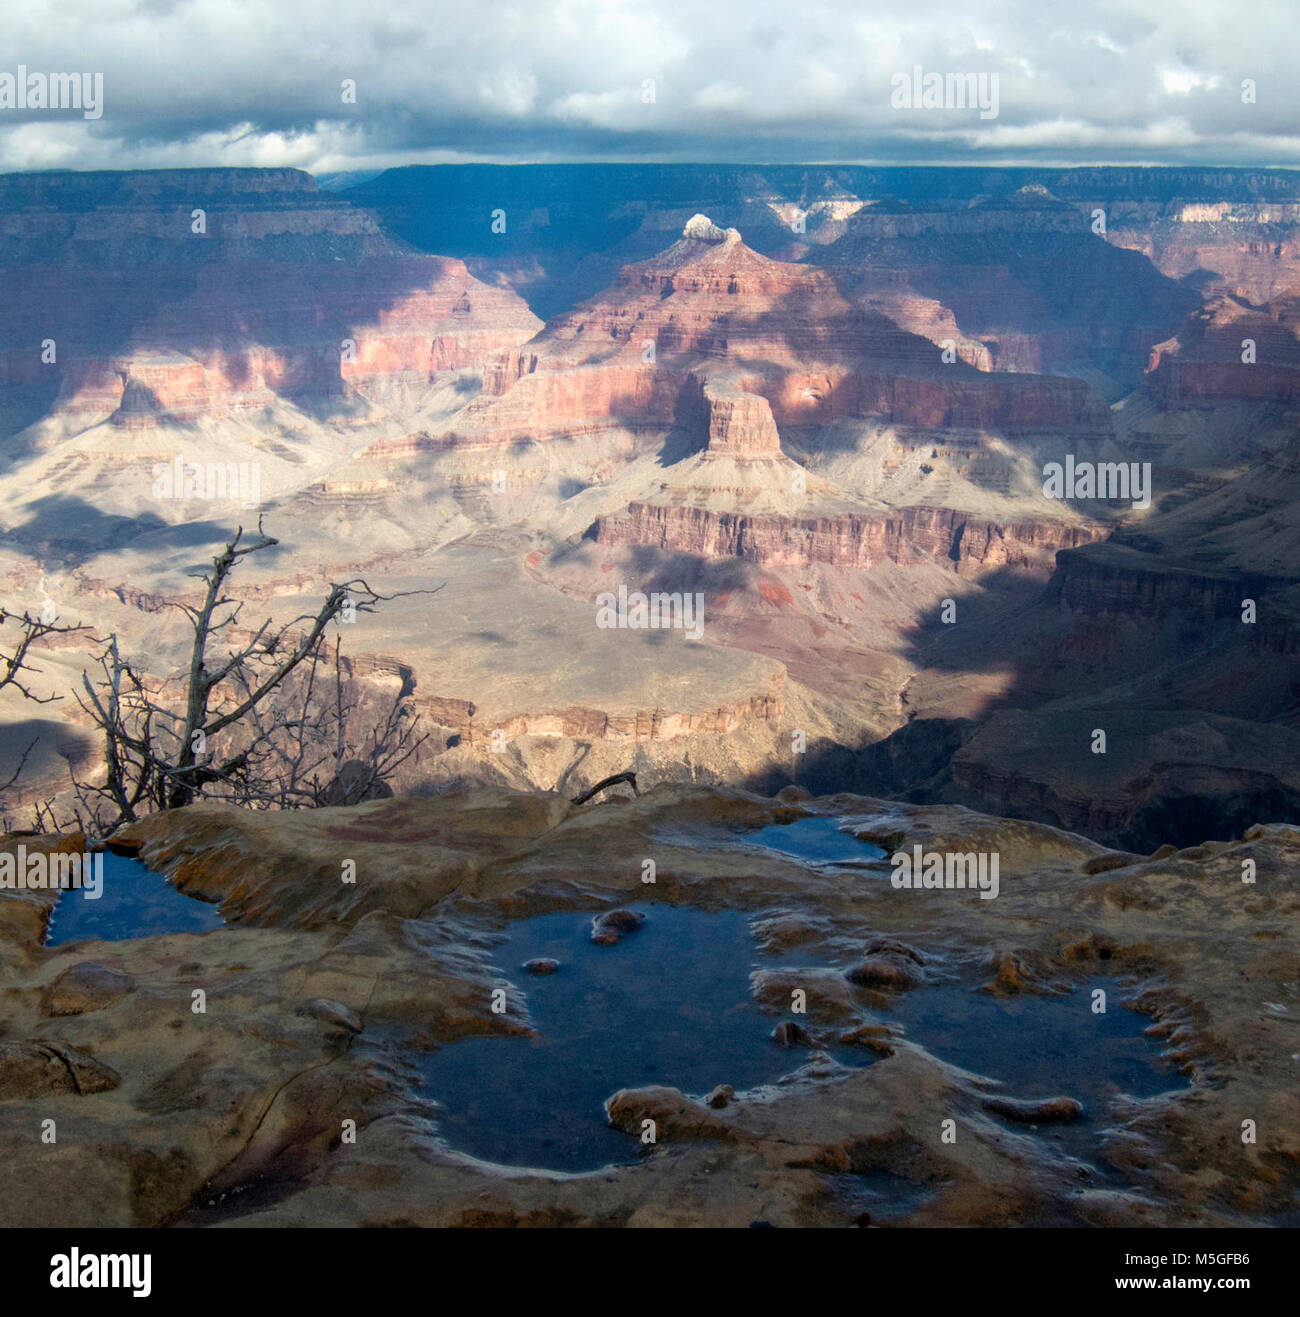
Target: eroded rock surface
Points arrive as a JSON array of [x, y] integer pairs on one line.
[[38, 1068], [88, 986], [320, 993]]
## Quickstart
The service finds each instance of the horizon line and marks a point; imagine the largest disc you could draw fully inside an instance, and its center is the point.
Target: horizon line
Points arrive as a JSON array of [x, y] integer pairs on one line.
[[669, 164]]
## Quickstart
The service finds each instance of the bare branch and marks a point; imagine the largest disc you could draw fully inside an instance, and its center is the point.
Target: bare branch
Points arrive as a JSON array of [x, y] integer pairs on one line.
[[30, 630], [287, 743]]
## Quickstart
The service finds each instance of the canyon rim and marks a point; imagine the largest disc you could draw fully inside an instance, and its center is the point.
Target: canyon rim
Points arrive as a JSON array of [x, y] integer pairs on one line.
[[645, 620]]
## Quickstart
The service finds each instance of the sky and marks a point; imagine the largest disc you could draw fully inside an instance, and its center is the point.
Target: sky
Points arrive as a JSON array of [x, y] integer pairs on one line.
[[265, 82]]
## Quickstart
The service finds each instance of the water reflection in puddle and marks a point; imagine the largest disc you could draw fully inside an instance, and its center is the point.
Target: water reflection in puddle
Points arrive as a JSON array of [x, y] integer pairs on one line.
[[669, 1004], [134, 902], [814, 839], [1042, 1046]]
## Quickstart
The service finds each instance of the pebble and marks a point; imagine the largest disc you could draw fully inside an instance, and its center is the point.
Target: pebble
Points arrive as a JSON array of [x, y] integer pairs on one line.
[[789, 1034], [1047, 1111], [610, 927]]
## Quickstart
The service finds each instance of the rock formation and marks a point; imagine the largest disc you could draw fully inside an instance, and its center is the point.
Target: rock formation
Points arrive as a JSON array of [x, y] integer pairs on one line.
[[279, 291], [322, 997], [822, 400]]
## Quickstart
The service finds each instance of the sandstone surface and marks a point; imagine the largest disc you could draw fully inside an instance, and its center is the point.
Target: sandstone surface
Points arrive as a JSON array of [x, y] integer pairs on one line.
[[319, 1003]]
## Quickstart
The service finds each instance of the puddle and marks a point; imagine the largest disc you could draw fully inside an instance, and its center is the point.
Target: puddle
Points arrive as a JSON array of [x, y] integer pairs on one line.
[[1040, 1047], [669, 1004], [134, 902], [815, 839]]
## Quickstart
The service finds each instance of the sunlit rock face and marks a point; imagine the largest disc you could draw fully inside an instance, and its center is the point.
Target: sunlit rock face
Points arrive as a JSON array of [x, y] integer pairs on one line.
[[740, 423], [852, 540], [710, 302], [192, 293], [822, 400]]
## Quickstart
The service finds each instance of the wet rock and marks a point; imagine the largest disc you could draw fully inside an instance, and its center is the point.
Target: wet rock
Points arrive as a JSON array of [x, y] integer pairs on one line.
[[85, 987], [541, 965], [784, 931], [888, 970], [789, 1034], [40, 1068], [332, 1012], [613, 925], [670, 1109], [211, 1083], [284, 870], [1048, 1111], [825, 996], [720, 1096], [880, 944], [1010, 974], [873, 1036]]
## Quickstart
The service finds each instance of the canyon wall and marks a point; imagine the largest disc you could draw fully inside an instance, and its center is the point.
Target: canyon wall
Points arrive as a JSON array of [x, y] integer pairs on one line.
[[903, 535], [189, 293]]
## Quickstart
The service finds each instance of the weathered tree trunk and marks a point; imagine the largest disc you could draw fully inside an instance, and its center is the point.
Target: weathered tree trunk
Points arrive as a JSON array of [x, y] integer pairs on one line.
[[629, 778]]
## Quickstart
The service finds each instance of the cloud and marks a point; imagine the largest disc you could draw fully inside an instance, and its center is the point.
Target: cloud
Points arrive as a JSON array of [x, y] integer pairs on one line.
[[720, 96], [259, 82]]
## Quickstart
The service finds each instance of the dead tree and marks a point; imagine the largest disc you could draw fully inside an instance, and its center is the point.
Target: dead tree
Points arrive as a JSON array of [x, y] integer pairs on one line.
[[312, 754], [161, 753], [14, 666]]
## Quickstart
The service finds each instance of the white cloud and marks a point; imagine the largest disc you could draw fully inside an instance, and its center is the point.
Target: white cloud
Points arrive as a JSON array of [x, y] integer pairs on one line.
[[510, 91], [244, 81], [1102, 40], [719, 96]]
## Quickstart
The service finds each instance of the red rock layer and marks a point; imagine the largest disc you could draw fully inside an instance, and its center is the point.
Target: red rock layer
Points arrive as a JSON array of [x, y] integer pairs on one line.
[[1116, 582], [629, 356], [582, 723], [906, 535], [1250, 247], [1205, 362], [740, 423], [286, 292]]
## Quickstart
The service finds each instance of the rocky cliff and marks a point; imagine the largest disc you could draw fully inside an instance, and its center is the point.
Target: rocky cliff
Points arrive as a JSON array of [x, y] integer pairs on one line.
[[709, 301], [1112, 580], [192, 293], [862, 540], [1228, 350]]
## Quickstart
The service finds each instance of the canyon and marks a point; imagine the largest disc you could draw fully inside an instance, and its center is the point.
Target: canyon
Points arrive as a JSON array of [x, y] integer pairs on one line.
[[818, 403], [823, 398]]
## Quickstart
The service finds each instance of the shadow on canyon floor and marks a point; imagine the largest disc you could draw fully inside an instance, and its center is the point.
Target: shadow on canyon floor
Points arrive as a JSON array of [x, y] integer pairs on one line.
[[1190, 750]]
